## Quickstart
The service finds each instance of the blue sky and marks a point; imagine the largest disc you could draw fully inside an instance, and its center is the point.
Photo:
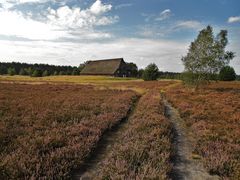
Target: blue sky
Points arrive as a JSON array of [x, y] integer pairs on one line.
[[69, 32]]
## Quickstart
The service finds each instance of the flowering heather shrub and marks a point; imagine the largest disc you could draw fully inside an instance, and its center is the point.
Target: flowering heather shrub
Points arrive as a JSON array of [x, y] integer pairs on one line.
[[213, 113], [143, 150], [47, 130]]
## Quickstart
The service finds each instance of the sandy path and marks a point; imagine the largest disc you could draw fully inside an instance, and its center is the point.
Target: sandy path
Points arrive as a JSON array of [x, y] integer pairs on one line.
[[185, 166]]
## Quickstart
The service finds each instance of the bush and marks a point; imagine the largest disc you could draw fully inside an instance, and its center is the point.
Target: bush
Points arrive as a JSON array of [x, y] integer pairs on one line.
[[11, 71], [29, 71], [23, 72], [45, 73], [150, 73], [55, 73], [75, 72], [37, 73], [227, 73], [196, 79], [238, 77], [140, 73], [62, 73]]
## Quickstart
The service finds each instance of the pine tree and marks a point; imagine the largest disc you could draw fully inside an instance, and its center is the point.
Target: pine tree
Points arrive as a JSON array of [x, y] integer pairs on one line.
[[3, 70]]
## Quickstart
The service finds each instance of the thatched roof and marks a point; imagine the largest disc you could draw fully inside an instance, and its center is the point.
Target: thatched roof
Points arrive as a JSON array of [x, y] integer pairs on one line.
[[102, 67]]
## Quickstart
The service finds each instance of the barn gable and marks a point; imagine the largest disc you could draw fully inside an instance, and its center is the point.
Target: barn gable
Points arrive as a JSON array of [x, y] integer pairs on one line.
[[111, 67]]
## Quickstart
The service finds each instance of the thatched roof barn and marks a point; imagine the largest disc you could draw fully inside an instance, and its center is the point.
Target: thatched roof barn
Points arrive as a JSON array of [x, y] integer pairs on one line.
[[110, 67]]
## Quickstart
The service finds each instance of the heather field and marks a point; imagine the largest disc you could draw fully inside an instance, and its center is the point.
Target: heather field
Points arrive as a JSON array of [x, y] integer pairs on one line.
[[213, 114], [144, 148], [46, 130], [50, 127]]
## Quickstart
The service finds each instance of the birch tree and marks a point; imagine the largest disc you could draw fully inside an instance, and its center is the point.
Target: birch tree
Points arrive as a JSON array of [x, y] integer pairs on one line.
[[206, 56]]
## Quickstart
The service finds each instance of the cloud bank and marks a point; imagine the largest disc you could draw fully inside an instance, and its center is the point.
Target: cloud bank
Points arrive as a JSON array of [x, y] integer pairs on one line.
[[63, 22], [166, 54]]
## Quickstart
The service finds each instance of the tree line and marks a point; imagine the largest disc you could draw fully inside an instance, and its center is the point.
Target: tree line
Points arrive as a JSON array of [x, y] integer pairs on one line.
[[39, 70], [36, 70], [151, 72]]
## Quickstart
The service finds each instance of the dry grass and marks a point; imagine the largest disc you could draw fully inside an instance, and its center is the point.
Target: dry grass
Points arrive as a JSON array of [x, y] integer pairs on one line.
[[143, 150], [100, 82], [46, 130], [213, 114], [68, 79]]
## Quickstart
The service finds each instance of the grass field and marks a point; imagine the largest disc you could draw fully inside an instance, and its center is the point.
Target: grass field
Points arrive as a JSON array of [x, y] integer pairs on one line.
[[68, 79], [50, 125]]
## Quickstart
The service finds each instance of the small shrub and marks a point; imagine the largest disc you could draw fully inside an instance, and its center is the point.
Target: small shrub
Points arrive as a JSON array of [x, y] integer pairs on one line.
[[75, 72], [151, 72], [227, 73], [55, 73], [37, 73], [62, 73], [23, 72], [45, 73], [11, 71]]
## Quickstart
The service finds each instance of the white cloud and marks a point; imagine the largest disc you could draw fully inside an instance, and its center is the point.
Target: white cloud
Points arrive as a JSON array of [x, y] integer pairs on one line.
[[191, 24], [66, 17], [234, 19], [64, 22], [166, 30], [164, 15], [14, 24], [29, 1], [99, 8], [10, 3]]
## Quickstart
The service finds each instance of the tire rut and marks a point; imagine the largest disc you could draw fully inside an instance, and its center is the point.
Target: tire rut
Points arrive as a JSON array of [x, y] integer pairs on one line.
[[185, 167], [89, 168]]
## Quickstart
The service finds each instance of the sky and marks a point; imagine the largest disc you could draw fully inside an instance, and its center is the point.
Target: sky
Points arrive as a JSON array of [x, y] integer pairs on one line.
[[69, 32]]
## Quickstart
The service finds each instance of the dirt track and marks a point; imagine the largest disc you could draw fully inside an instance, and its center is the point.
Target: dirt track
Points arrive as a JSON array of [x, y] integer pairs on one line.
[[184, 165], [89, 170]]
